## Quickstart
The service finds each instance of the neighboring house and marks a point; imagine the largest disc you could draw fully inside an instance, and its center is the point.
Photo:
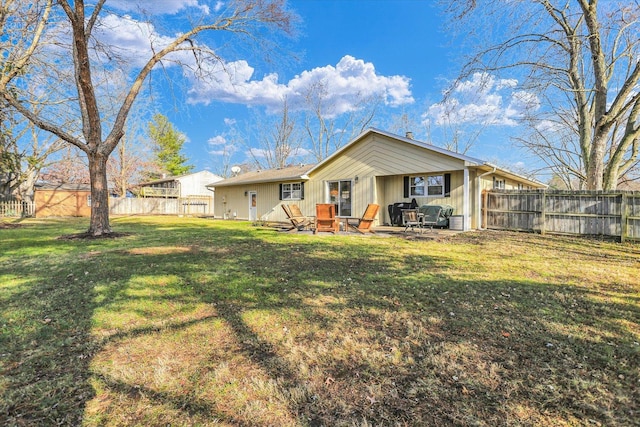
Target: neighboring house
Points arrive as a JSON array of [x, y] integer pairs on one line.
[[375, 167], [62, 200], [190, 185]]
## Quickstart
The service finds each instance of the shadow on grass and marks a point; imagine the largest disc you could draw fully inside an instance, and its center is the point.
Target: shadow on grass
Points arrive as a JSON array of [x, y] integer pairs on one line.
[[323, 332]]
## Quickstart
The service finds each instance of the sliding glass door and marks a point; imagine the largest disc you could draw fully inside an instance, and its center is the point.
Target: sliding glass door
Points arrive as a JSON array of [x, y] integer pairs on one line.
[[340, 195]]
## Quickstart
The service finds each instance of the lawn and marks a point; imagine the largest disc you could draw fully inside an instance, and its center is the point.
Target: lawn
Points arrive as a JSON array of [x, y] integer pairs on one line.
[[199, 322]]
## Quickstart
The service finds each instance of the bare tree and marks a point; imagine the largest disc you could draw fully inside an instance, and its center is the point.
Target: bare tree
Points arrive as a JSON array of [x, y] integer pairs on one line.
[[329, 128], [24, 151], [35, 31], [582, 58], [69, 168], [279, 145]]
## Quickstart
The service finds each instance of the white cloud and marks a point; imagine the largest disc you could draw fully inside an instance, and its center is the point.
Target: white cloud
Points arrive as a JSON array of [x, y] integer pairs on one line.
[[220, 146], [130, 39], [483, 100], [157, 7], [217, 140], [348, 82]]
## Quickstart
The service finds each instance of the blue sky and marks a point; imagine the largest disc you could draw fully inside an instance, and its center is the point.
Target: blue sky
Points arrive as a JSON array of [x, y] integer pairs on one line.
[[399, 49]]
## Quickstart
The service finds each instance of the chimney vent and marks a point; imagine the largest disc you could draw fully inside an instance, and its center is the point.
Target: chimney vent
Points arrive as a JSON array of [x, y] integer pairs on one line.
[[409, 135]]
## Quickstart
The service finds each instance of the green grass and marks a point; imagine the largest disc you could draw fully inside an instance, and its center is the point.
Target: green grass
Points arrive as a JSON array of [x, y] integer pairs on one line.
[[190, 322]]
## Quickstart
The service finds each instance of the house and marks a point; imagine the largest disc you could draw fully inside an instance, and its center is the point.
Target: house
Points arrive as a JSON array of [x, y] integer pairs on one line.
[[62, 200], [190, 185], [375, 167]]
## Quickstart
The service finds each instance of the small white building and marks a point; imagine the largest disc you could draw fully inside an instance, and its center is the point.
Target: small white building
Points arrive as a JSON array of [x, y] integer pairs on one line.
[[190, 185]]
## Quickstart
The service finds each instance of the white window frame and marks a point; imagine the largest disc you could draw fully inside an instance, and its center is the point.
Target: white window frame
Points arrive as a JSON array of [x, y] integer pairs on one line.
[[292, 193], [430, 184], [498, 184]]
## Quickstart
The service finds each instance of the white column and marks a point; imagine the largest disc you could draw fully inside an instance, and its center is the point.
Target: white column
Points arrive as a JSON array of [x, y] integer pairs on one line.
[[466, 202]]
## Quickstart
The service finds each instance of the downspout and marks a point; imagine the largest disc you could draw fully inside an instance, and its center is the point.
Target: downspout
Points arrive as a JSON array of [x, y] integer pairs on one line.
[[213, 200], [479, 178]]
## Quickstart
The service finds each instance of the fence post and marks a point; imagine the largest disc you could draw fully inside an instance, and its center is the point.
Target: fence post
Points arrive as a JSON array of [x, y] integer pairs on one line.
[[623, 216], [485, 203], [543, 213]]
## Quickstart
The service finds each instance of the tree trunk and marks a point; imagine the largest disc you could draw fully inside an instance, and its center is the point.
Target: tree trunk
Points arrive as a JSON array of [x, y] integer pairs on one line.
[[99, 195], [595, 166]]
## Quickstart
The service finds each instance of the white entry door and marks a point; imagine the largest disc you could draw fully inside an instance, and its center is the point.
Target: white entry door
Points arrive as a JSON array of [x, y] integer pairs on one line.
[[253, 206]]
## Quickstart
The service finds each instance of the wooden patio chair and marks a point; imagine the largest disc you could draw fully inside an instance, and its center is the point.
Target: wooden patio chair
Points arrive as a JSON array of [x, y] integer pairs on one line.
[[411, 218], [364, 224], [298, 221], [326, 219]]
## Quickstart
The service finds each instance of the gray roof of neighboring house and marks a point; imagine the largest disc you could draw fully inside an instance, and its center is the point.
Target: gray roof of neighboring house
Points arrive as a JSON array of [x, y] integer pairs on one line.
[[64, 187], [289, 173]]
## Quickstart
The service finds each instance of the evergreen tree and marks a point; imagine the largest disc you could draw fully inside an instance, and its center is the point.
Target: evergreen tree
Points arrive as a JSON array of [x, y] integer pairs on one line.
[[168, 143]]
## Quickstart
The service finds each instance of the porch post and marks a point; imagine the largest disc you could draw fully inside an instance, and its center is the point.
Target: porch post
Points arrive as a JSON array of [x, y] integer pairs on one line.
[[466, 204]]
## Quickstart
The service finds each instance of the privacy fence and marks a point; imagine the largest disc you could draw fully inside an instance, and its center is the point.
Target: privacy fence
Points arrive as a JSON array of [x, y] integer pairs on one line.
[[196, 206], [614, 214]]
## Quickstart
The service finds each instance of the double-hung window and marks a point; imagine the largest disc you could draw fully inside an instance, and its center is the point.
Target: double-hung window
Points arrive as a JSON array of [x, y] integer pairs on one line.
[[427, 186], [291, 191]]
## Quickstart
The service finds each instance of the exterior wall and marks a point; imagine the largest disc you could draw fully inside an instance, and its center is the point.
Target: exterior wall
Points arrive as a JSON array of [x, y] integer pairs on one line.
[[195, 184], [231, 202], [62, 203], [380, 163]]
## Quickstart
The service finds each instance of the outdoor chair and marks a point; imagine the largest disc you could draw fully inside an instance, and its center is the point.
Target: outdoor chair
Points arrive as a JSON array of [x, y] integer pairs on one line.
[[326, 219], [298, 221], [431, 216], [365, 223], [436, 215], [411, 218]]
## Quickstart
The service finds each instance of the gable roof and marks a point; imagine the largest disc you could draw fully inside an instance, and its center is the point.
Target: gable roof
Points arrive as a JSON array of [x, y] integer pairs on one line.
[[471, 161], [302, 172], [289, 173]]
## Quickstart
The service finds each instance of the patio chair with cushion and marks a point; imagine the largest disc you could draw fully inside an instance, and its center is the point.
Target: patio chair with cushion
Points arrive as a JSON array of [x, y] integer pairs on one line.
[[298, 221], [411, 218], [364, 224], [326, 219]]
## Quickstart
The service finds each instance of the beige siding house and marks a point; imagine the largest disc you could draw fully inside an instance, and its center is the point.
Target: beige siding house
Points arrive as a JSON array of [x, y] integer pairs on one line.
[[375, 167]]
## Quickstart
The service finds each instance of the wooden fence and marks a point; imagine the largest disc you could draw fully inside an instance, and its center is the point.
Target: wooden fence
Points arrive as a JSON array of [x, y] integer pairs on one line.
[[614, 214], [17, 209], [197, 206]]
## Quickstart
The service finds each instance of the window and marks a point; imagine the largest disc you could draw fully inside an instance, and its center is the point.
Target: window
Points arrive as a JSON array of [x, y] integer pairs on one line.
[[435, 185], [293, 191], [429, 186], [498, 184], [416, 186]]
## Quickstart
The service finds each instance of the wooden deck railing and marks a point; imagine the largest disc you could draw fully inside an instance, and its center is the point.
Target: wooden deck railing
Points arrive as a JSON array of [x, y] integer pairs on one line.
[[159, 192]]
